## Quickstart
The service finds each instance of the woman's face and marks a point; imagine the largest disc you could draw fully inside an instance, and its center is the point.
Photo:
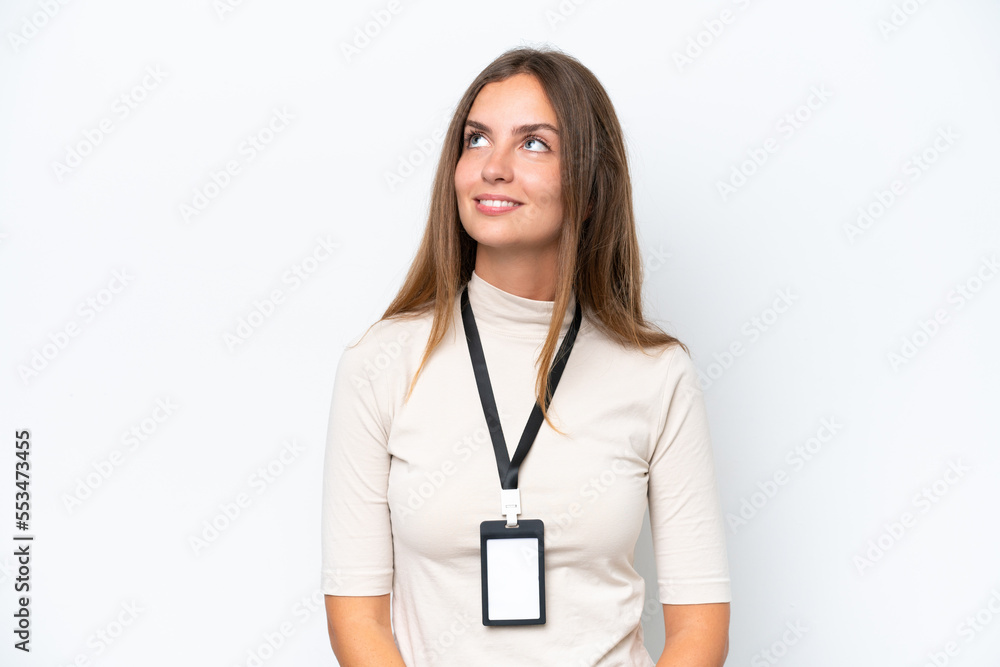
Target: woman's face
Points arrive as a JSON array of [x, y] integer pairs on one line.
[[511, 152]]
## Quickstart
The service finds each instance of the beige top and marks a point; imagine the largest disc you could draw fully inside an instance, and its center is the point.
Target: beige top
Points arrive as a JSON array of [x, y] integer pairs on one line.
[[407, 485]]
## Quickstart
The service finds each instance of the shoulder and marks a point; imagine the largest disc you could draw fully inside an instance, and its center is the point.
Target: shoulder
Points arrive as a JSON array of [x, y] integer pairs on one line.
[[681, 370], [398, 328], [678, 375], [378, 347], [657, 363]]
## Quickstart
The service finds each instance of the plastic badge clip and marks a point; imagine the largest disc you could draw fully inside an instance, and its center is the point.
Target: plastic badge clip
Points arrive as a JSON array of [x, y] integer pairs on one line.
[[510, 505]]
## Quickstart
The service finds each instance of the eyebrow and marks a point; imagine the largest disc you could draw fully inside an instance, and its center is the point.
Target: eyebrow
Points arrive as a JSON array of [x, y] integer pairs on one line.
[[520, 129]]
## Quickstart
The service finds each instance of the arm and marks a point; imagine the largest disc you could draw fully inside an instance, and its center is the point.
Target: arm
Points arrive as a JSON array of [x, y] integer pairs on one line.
[[360, 631], [697, 635], [357, 555], [688, 528]]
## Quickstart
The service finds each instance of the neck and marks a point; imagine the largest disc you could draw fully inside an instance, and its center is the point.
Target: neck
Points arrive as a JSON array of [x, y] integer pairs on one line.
[[528, 275], [501, 312]]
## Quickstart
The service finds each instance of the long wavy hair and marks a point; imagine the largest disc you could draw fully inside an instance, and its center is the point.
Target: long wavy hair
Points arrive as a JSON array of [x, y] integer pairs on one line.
[[598, 255]]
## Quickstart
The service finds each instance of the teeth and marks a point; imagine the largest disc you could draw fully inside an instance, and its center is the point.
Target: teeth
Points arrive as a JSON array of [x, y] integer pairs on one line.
[[496, 202]]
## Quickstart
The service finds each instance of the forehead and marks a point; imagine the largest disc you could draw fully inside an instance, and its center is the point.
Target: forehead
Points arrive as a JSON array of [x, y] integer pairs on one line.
[[519, 98]]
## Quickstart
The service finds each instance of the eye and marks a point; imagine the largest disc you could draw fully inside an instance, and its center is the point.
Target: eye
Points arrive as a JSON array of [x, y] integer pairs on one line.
[[470, 137], [536, 140]]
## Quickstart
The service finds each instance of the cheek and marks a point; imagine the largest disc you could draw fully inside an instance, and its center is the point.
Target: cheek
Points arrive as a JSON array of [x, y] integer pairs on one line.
[[545, 192], [465, 174], [460, 177]]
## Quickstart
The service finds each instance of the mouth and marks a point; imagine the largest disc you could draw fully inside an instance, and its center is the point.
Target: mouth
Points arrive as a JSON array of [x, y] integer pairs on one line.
[[492, 205]]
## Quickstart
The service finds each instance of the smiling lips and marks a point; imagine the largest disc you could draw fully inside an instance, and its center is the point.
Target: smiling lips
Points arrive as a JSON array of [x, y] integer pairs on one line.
[[490, 205]]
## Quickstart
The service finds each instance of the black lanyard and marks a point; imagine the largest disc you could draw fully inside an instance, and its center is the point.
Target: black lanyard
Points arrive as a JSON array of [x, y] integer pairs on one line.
[[506, 466]]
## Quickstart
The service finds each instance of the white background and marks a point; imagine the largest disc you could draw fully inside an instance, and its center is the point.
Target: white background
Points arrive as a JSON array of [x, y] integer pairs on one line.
[[713, 264]]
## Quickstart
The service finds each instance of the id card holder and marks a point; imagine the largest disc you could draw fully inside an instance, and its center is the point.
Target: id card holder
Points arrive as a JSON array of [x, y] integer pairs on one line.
[[513, 572]]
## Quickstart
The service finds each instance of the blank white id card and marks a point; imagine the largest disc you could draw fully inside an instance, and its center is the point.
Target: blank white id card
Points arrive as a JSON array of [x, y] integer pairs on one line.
[[513, 568]]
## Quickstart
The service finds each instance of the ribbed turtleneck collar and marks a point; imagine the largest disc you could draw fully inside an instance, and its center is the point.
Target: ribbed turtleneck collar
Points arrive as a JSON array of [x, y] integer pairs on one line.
[[513, 315]]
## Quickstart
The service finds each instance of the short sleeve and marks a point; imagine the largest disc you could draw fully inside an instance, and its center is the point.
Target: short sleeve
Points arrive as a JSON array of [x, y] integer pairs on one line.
[[356, 532], [685, 510]]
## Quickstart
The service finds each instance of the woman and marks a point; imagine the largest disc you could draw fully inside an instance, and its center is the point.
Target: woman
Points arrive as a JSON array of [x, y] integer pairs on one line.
[[531, 216]]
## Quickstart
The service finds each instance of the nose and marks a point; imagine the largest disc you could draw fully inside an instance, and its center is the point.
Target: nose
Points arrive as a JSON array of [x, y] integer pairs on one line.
[[498, 166]]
